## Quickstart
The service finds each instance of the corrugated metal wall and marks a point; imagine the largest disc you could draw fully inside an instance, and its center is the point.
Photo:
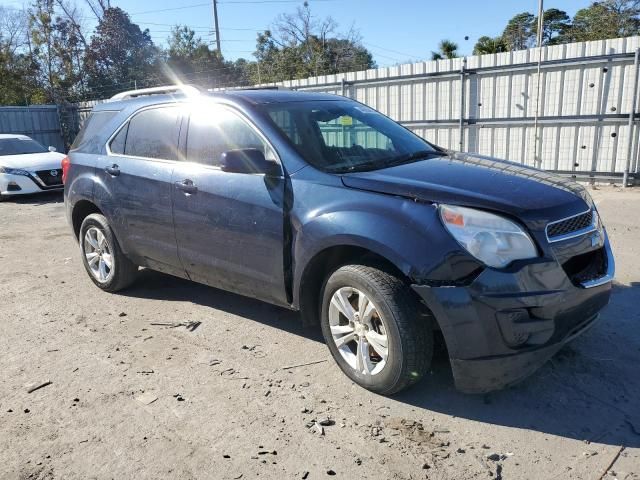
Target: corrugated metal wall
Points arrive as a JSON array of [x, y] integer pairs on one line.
[[40, 122], [583, 106], [585, 97]]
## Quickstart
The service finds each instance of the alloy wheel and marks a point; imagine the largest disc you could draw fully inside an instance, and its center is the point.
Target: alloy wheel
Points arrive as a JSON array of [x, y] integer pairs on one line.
[[97, 252], [358, 331]]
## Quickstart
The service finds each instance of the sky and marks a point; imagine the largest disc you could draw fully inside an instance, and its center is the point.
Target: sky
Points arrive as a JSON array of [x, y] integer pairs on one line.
[[396, 31]]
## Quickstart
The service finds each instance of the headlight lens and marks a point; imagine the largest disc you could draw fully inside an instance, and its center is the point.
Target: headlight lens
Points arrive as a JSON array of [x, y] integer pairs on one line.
[[14, 171], [492, 239]]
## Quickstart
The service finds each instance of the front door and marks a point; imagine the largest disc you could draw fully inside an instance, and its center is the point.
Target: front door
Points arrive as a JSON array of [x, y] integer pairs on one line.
[[229, 226]]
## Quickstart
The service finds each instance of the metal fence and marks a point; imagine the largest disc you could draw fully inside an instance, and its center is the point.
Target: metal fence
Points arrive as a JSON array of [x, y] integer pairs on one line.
[[41, 122], [566, 108], [55, 125], [571, 108]]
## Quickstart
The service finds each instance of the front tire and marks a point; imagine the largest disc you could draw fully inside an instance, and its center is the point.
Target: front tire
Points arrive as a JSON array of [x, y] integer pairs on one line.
[[372, 325], [102, 257]]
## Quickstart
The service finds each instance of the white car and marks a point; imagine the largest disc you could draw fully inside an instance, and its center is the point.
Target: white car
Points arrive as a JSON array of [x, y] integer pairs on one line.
[[28, 167]]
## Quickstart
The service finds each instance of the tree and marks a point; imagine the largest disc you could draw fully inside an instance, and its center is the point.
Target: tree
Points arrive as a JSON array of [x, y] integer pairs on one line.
[[606, 19], [57, 48], [446, 49], [519, 32], [13, 29], [120, 55], [190, 60], [74, 15], [18, 73], [486, 45], [555, 28], [301, 45], [344, 55], [98, 7]]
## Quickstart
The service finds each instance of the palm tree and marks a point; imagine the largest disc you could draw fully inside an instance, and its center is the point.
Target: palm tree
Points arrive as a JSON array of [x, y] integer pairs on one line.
[[446, 49], [486, 45]]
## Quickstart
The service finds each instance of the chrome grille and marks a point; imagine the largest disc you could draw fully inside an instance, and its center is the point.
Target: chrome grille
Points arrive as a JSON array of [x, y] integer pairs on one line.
[[571, 225]]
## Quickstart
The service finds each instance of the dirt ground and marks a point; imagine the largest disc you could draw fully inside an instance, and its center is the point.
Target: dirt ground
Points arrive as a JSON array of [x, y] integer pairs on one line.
[[134, 396]]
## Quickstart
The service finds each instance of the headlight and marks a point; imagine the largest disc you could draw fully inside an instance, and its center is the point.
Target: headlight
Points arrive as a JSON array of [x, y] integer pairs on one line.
[[14, 171], [492, 239]]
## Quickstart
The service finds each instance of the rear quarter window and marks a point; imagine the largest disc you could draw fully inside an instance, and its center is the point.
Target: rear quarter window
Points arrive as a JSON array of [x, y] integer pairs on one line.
[[88, 140]]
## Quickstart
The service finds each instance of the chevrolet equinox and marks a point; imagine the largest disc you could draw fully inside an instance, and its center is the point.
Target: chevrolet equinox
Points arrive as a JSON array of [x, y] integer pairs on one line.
[[321, 204]]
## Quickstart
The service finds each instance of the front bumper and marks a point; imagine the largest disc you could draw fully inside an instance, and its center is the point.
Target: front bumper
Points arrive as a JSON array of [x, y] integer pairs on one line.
[[21, 184], [506, 324]]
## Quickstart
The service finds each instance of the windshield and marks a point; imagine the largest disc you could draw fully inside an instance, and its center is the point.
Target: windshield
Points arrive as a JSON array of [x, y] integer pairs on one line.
[[343, 136], [20, 146]]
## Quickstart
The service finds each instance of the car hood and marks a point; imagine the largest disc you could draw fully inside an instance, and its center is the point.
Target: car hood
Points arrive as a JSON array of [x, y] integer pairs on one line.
[[481, 182], [32, 161]]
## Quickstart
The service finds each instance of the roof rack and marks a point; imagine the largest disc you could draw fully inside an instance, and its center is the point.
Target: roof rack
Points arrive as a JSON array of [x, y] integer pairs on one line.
[[185, 89], [259, 87]]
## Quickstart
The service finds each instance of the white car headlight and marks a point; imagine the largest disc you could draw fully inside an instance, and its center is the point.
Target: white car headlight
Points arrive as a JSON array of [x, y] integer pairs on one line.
[[494, 240], [14, 171]]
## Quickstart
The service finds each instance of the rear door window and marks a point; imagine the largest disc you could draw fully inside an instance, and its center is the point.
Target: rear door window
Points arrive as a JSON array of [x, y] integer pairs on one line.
[[88, 139], [153, 133]]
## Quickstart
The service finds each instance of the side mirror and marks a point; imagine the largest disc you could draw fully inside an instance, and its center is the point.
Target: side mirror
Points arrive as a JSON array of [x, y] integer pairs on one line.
[[248, 160], [52, 148]]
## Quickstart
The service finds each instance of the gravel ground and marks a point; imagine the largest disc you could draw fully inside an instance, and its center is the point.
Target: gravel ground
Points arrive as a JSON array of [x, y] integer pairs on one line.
[[171, 379]]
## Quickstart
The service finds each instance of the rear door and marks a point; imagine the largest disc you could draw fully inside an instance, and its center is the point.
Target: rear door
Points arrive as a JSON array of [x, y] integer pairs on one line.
[[137, 176], [229, 226]]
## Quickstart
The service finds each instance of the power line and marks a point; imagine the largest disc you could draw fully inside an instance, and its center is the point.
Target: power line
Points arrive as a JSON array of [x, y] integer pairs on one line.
[[390, 50], [177, 24], [200, 34], [228, 2], [184, 7], [270, 1]]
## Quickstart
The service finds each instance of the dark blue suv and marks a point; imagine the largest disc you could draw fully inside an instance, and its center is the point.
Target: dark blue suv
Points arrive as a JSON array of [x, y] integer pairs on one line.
[[321, 204]]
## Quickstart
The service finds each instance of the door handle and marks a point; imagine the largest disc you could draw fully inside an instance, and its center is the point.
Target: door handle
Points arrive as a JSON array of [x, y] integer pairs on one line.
[[187, 186], [113, 170]]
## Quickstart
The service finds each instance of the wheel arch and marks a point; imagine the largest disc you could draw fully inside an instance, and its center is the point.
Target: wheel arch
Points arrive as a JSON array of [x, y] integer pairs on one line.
[[326, 261], [81, 210]]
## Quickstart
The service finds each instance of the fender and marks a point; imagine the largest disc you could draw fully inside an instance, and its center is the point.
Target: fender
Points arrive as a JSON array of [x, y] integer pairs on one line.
[[105, 201], [85, 185], [79, 184], [397, 229]]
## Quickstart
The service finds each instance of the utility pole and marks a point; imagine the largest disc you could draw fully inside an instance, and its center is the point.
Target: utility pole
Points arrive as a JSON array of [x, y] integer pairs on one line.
[[215, 25], [540, 23], [537, 161]]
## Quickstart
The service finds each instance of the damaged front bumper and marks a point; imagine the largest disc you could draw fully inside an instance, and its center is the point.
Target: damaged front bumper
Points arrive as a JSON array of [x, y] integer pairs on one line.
[[506, 324]]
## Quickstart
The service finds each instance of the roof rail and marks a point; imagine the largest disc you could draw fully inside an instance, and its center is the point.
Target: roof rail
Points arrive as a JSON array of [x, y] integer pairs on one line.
[[185, 89], [257, 87]]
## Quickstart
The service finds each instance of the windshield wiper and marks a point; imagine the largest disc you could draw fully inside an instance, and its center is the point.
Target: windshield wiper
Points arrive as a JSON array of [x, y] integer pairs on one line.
[[370, 165], [418, 155], [389, 162]]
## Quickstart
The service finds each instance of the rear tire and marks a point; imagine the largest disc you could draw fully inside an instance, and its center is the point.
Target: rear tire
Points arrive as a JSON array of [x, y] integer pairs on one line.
[[102, 257], [390, 345]]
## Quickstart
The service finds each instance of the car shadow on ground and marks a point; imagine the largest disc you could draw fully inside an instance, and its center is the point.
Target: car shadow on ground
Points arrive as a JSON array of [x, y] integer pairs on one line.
[[588, 391], [36, 198], [155, 285]]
